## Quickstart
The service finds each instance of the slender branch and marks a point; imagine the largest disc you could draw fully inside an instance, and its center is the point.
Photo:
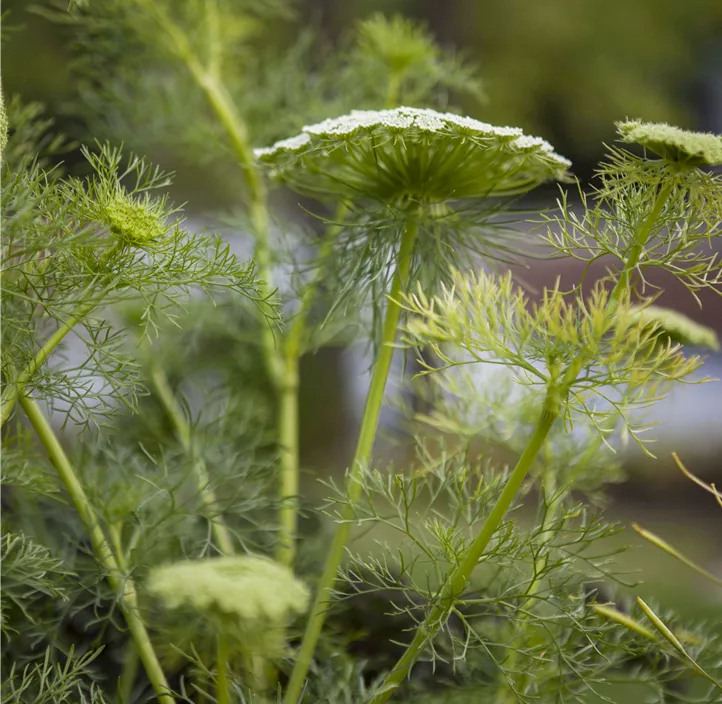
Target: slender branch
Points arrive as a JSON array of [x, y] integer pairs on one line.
[[551, 512], [361, 459], [224, 541], [129, 673], [224, 109], [288, 410], [15, 388], [220, 102], [121, 583], [640, 240], [459, 577]]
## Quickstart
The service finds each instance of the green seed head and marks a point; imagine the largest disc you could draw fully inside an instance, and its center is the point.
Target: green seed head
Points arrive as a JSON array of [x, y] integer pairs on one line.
[[673, 143]]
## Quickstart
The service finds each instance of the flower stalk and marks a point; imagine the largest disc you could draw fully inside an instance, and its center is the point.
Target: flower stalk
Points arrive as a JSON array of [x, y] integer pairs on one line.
[[642, 235], [281, 364], [123, 586], [367, 434], [288, 411], [460, 576], [223, 693]]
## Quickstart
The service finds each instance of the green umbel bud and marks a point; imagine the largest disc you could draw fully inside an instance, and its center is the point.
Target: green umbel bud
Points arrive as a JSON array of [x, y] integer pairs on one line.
[[673, 143], [131, 221], [677, 327]]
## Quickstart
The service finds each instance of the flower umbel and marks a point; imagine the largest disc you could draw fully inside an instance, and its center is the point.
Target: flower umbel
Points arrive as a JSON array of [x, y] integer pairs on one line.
[[411, 153], [451, 176], [250, 590], [673, 143]]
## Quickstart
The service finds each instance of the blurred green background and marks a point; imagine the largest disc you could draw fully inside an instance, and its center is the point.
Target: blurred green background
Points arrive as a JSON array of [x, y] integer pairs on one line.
[[562, 69]]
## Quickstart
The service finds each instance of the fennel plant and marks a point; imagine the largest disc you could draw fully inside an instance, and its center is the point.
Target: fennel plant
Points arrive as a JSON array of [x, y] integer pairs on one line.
[[150, 402]]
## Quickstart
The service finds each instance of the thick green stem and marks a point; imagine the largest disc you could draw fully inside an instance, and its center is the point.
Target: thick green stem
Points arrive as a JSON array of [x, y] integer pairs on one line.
[[122, 584], [459, 577], [15, 388], [224, 541], [225, 111], [360, 462], [392, 90], [640, 240], [289, 462], [223, 692]]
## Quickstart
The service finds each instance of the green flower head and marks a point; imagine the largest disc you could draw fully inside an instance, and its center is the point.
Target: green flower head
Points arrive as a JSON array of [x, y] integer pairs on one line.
[[411, 154], [133, 221], [123, 200], [673, 143], [252, 591], [3, 125]]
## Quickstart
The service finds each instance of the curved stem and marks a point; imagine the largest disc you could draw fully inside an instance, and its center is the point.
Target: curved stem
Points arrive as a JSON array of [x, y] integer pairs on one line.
[[459, 577], [122, 584], [16, 387], [224, 109], [361, 458], [224, 541]]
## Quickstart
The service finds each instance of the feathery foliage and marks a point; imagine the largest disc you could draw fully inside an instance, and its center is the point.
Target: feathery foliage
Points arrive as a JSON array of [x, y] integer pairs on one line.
[[152, 501]]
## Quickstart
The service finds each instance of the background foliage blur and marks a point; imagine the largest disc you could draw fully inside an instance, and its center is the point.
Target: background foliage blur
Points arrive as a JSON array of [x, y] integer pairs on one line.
[[562, 68]]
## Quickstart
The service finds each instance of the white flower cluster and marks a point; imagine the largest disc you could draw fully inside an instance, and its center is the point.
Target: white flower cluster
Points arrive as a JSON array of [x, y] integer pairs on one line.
[[291, 144], [249, 587], [403, 118]]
